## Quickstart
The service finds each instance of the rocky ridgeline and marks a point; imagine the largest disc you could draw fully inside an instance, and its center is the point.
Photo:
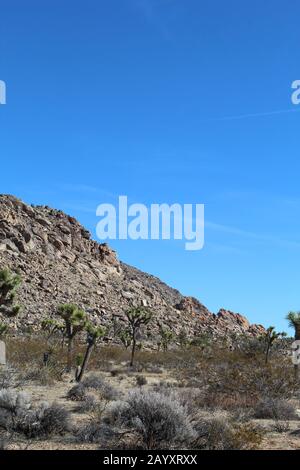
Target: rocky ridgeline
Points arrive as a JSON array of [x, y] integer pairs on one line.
[[59, 263]]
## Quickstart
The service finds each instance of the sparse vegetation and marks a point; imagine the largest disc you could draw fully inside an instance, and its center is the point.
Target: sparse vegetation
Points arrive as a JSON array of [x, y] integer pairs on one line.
[[219, 433], [189, 397], [275, 408]]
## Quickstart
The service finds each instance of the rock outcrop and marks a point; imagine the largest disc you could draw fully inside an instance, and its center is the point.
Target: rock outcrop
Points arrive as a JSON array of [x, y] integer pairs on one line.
[[59, 262]]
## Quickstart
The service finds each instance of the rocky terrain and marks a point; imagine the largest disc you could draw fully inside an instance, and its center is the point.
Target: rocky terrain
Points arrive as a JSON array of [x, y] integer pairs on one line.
[[59, 263]]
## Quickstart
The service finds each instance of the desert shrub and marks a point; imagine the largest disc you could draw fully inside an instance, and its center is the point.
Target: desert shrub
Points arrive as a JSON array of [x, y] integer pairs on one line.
[[13, 406], [213, 434], [9, 377], [164, 385], [218, 433], [136, 367], [95, 431], [242, 384], [43, 375], [43, 421], [77, 392], [247, 345], [115, 372], [17, 415], [88, 404], [158, 419], [190, 398], [281, 426], [141, 380], [242, 415], [247, 436], [153, 369], [28, 349], [96, 383], [11, 400], [115, 412], [274, 408], [55, 420]]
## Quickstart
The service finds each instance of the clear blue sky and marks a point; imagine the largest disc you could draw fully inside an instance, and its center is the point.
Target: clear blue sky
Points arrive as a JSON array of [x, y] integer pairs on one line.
[[165, 101]]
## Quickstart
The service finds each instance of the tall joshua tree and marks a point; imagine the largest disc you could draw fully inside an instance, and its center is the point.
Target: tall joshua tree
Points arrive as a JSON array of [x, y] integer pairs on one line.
[[75, 321], [94, 334], [269, 338], [294, 321], [136, 317], [9, 283]]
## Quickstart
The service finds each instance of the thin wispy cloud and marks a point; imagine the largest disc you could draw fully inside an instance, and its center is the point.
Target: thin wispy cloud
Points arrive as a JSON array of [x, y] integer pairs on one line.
[[87, 209], [88, 190], [254, 115], [252, 235], [152, 13]]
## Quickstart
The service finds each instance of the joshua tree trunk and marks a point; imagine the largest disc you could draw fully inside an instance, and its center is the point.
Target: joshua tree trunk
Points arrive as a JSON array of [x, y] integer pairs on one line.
[[267, 353], [69, 354], [133, 350], [297, 338], [85, 362]]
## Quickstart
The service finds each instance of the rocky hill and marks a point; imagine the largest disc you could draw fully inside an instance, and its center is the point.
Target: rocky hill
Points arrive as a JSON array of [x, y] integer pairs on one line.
[[59, 263]]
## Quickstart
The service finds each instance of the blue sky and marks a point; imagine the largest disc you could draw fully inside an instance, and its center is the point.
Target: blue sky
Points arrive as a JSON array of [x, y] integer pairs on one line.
[[165, 101]]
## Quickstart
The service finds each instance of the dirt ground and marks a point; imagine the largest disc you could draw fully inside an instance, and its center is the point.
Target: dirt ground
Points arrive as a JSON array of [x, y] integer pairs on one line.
[[289, 439]]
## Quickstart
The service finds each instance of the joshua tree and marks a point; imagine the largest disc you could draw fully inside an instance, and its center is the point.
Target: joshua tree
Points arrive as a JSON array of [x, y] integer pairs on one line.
[[269, 338], [9, 283], [294, 321], [136, 317], [125, 337], [94, 333], [75, 321], [183, 339], [166, 337]]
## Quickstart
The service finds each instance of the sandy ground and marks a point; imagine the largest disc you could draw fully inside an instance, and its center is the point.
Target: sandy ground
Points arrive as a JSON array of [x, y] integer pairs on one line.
[[273, 440]]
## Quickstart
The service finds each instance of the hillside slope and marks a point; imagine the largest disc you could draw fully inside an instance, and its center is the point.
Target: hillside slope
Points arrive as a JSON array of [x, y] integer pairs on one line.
[[59, 262]]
